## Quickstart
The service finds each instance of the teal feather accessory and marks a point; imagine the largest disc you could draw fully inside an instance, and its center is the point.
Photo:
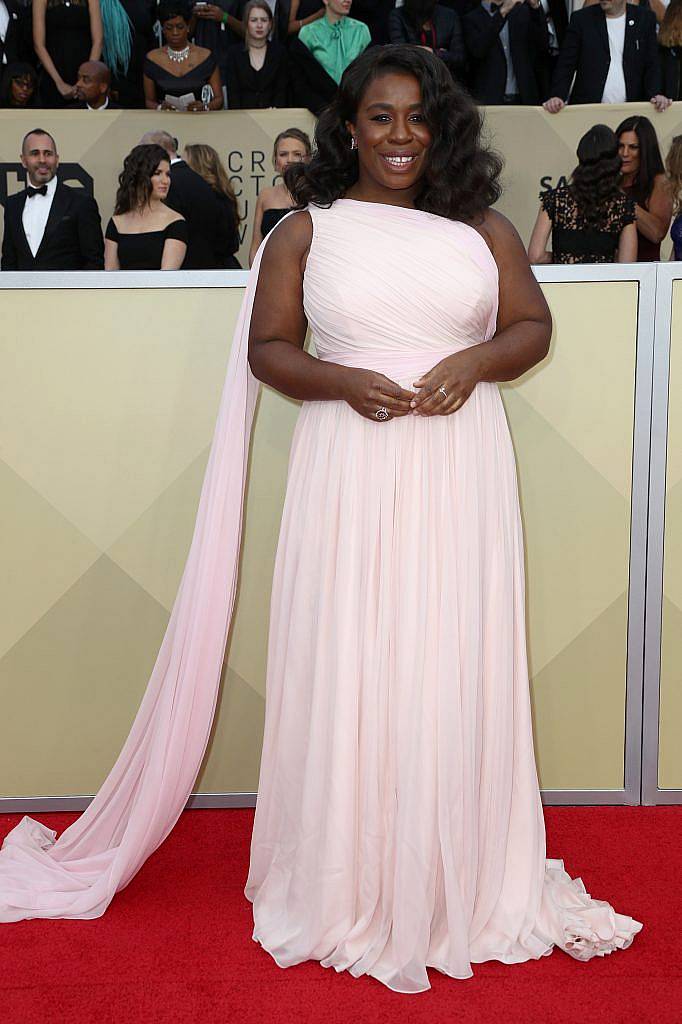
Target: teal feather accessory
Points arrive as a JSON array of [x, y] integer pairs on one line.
[[118, 37]]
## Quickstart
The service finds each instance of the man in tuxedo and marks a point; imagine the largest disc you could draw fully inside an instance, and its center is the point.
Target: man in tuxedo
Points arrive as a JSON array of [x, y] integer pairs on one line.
[[15, 33], [194, 198], [92, 86], [611, 49], [508, 43], [50, 226]]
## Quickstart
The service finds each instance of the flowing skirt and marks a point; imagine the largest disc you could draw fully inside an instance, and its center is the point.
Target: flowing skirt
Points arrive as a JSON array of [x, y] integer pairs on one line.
[[399, 823]]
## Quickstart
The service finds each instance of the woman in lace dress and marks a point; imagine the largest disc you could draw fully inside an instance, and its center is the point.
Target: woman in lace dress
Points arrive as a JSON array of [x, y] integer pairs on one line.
[[590, 220]]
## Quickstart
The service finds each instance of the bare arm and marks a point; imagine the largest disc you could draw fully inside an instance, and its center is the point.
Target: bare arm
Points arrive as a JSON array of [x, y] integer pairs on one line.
[[524, 329], [627, 245], [296, 23], [537, 248], [173, 254], [150, 100], [38, 22], [111, 255], [278, 329], [257, 236], [96, 30], [654, 222]]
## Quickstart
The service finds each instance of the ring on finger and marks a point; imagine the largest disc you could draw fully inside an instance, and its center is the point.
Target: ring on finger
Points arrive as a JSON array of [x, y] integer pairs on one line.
[[443, 391], [382, 413]]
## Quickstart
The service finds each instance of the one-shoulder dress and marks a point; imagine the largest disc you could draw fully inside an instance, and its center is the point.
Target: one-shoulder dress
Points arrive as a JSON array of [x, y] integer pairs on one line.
[[399, 823]]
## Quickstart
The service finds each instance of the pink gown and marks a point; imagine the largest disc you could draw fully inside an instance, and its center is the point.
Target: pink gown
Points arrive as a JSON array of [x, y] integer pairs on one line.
[[399, 822]]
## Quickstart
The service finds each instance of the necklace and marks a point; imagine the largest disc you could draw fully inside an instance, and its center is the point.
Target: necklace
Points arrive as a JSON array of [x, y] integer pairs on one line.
[[177, 56]]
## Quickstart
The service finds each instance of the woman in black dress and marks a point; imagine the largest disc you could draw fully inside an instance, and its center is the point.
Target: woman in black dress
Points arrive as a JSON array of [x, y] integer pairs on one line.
[[292, 146], [144, 233], [206, 162], [257, 72], [66, 33], [179, 67], [590, 219]]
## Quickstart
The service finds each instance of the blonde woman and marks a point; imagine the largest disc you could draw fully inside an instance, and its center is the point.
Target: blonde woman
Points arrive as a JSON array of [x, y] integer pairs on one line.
[[292, 146], [206, 162], [673, 166]]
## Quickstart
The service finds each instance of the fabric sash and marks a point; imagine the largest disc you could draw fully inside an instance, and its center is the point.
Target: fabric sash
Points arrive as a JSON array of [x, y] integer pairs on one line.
[[77, 875]]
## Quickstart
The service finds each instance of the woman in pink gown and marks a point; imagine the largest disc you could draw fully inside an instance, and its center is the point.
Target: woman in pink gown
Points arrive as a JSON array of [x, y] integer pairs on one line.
[[399, 822]]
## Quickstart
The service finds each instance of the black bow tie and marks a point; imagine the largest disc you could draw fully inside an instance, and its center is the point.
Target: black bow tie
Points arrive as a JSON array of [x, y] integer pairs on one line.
[[42, 191]]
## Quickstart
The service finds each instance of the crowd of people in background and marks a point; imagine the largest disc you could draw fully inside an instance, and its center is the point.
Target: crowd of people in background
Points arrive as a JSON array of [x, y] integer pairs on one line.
[[255, 54], [172, 211], [619, 203]]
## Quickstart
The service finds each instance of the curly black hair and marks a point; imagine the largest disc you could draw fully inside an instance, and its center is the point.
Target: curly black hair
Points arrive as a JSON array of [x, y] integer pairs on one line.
[[461, 179], [596, 179], [135, 180], [168, 9], [650, 159]]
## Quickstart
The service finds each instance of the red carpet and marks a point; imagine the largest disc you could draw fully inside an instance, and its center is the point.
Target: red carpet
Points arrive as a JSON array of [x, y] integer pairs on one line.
[[175, 946]]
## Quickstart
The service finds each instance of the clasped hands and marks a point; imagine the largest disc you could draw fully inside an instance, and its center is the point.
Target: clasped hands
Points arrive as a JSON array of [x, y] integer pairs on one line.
[[457, 375]]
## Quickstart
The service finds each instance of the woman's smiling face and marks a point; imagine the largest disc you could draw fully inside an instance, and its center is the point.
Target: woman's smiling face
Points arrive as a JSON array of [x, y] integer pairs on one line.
[[392, 135]]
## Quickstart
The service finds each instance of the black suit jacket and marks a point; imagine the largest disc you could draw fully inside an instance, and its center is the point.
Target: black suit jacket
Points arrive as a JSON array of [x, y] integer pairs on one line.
[[585, 53], [193, 197], [447, 28], [72, 239], [310, 84], [529, 45], [254, 90], [18, 39]]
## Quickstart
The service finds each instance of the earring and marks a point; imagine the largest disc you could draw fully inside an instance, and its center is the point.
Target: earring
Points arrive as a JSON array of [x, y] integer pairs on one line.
[[353, 142]]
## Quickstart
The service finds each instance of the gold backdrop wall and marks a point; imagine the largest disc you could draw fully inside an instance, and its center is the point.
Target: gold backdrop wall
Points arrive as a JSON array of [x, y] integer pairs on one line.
[[107, 405], [670, 714], [539, 148]]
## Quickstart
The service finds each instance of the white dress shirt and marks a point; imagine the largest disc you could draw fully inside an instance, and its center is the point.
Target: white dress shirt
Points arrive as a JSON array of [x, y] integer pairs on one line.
[[34, 217], [614, 87], [103, 107]]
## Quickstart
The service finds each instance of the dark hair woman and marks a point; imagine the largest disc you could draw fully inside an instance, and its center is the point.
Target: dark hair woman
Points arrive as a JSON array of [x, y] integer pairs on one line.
[[66, 33], [179, 68], [670, 49], [257, 73], [432, 25], [292, 146], [460, 181], [144, 233], [19, 87], [590, 219], [399, 824], [400, 548], [206, 162], [644, 180]]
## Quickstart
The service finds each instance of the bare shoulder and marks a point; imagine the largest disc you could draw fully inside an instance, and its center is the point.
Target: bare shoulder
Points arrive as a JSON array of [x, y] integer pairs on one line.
[[294, 233], [499, 233]]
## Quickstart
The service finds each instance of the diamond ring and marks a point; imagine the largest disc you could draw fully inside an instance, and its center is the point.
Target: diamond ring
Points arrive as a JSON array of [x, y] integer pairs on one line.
[[382, 413], [443, 391]]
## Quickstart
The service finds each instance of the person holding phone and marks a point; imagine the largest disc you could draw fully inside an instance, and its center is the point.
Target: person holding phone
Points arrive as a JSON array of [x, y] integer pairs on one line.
[[180, 67]]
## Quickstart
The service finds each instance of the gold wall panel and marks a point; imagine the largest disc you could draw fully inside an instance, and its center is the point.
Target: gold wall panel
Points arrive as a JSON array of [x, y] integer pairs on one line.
[[105, 434], [670, 723]]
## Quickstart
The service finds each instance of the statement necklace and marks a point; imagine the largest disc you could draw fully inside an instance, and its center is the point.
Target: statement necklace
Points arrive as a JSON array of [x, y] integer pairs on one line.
[[177, 56]]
